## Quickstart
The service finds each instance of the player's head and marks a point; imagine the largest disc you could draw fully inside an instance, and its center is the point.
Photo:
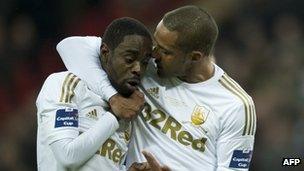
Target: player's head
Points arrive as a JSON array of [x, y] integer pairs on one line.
[[125, 52], [184, 35]]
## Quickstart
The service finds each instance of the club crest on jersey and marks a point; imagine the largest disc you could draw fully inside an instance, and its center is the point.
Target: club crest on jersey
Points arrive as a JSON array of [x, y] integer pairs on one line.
[[199, 115], [154, 91]]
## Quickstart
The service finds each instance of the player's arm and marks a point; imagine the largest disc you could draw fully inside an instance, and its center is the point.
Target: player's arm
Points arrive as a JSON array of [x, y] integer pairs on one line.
[[236, 140], [58, 120], [73, 152], [81, 56]]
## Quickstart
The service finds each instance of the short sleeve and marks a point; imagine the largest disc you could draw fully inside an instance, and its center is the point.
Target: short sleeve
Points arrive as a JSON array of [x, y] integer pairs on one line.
[[234, 145], [57, 108]]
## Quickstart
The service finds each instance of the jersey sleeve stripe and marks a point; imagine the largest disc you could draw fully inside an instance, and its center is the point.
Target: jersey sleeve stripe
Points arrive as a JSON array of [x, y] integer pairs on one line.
[[68, 86], [247, 98], [253, 128], [63, 87], [254, 121], [225, 84], [71, 92]]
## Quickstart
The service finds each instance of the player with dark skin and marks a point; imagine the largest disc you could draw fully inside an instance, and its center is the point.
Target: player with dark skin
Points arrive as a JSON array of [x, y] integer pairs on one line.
[[125, 66], [124, 59], [179, 52], [184, 40]]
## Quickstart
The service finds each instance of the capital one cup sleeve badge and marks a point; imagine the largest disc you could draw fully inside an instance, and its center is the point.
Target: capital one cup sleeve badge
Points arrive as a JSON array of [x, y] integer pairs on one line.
[[199, 115]]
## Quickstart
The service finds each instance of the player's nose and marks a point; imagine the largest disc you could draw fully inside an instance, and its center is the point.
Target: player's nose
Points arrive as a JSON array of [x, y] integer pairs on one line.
[[136, 69]]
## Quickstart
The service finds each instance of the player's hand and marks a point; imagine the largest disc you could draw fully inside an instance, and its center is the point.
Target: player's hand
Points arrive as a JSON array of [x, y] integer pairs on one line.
[[139, 167], [151, 165], [127, 108]]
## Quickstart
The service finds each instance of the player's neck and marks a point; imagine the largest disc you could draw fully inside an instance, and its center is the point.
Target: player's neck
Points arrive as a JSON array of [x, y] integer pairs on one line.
[[199, 73]]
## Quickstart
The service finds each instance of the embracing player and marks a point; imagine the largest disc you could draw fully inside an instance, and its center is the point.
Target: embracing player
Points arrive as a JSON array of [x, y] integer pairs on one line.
[[196, 117]]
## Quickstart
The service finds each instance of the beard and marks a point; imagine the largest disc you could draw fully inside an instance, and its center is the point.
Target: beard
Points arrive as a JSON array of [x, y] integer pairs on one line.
[[121, 88]]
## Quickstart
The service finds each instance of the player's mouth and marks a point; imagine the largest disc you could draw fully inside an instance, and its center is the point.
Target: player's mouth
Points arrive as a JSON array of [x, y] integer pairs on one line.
[[133, 83]]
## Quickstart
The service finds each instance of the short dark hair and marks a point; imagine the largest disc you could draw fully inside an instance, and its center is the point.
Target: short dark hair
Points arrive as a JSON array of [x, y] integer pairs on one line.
[[121, 27], [196, 29]]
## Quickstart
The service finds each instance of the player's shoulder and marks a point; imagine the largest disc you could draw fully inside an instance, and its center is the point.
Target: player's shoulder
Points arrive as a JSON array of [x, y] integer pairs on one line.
[[228, 89], [81, 40], [58, 84], [61, 77], [239, 106], [57, 75], [233, 92]]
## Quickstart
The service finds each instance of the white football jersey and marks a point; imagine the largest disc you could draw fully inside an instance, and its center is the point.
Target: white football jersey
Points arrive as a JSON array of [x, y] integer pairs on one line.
[[66, 109], [203, 126]]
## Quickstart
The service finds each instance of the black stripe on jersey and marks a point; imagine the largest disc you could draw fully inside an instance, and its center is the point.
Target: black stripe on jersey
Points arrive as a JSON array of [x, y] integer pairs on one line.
[[95, 112]]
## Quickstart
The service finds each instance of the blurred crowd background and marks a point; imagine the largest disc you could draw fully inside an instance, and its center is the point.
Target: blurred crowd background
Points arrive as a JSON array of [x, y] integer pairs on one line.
[[261, 45]]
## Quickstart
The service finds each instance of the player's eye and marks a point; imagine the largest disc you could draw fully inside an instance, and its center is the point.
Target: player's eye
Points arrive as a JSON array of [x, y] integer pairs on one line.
[[129, 60], [161, 51], [164, 52], [145, 61]]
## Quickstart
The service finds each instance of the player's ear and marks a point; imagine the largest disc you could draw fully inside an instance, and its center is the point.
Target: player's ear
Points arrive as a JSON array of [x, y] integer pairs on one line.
[[105, 52], [196, 56]]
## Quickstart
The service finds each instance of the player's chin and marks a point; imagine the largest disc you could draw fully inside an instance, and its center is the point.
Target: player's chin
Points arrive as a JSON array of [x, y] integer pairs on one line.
[[128, 89]]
